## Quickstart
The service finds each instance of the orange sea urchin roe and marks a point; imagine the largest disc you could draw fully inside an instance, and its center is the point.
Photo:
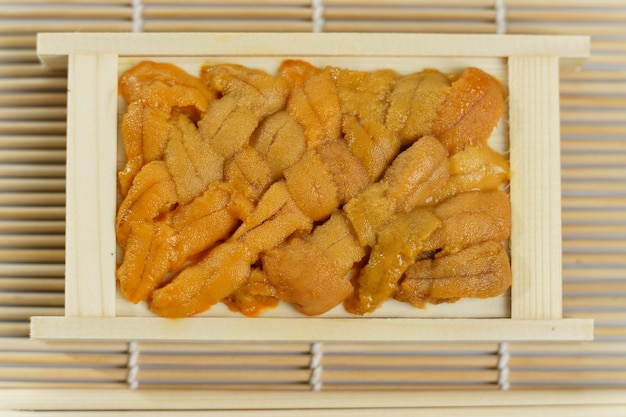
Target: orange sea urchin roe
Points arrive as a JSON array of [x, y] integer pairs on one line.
[[317, 187]]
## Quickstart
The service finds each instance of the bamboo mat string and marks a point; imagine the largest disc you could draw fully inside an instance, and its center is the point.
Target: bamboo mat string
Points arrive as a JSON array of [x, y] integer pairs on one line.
[[315, 365], [137, 15], [133, 365], [318, 15], [503, 366], [500, 8]]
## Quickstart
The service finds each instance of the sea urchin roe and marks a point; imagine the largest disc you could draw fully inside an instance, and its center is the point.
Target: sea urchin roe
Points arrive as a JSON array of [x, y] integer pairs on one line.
[[315, 187]]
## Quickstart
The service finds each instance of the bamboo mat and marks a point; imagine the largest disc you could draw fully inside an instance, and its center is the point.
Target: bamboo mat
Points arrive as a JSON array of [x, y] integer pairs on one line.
[[32, 170]]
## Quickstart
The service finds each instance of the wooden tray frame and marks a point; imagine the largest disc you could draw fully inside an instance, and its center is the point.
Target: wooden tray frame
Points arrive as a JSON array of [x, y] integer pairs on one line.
[[533, 85]]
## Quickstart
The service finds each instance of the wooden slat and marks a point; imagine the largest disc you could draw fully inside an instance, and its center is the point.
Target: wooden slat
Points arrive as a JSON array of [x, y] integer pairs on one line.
[[225, 12], [406, 361], [245, 348], [89, 289], [32, 184], [232, 26], [24, 313], [36, 156], [32, 141], [196, 361], [534, 133], [50, 12], [29, 298], [224, 375]]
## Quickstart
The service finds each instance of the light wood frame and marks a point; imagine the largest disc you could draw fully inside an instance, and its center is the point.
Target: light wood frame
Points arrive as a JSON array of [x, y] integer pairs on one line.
[[532, 63]]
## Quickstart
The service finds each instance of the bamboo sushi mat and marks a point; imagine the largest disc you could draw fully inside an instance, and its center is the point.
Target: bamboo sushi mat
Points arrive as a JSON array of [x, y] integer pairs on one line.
[[32, 157]]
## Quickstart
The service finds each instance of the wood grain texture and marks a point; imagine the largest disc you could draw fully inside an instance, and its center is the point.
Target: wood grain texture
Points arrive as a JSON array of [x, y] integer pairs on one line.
[[92, 116], [535, 188], [308, 329]]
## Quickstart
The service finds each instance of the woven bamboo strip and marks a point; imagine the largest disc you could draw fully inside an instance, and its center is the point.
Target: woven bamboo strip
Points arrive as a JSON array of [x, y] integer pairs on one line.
[[64, 2], [32, 99], [166, 347], [572, 87], [32, 255], [67, 12], [606, 273], [224, 375], [595, 301], [25, 313], [608, 375], [605, 45], [595, 245], [578, 348], [595, 75], [73, 26], [422, 3], [30, 127], [230, 2], [609, 332], [29, 298], [600, 230], [594, 216], [406, 361], [594, 258], [32, 141], [16, 269], [595, 187], [593, 173], [226, 386], [564, 28], [539, 4], [33, 113], [22, 70], [408, 27], [26, 213], [418, 386], [63, 358], [14, 329], [32, 226], [598, 159], [65, 374], [224, 12], [56, 384], [31, 284], [32, 155], [190, 400], [35, 241], [595, 101], [409, 13], [240, 25], [33, 199], [566, 15], [596, 202], [197, 361], [409, 376], [25, 345], [602, 410], [406, 348], [572, 361], [598, 145], [595, 287], [32, 170], [32, 184], [598, 316], [18, 42], [597, 130], [17, 55], [33, 84], [591, 116]]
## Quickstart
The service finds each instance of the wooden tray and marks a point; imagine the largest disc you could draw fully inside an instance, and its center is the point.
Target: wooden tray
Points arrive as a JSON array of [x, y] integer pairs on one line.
[[527, 65]]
